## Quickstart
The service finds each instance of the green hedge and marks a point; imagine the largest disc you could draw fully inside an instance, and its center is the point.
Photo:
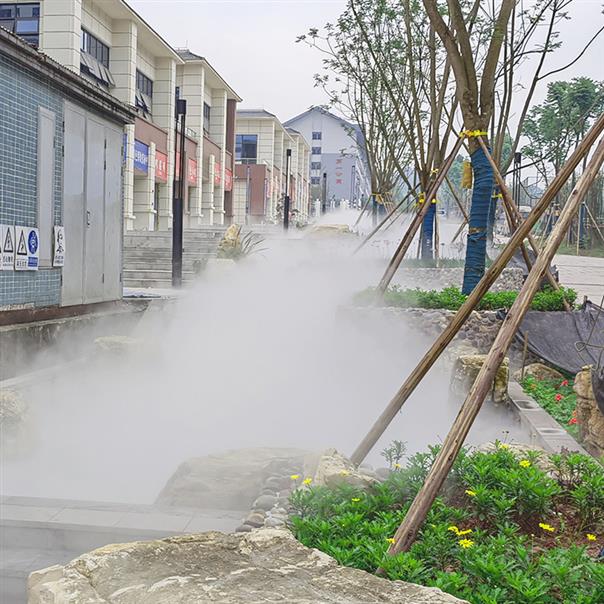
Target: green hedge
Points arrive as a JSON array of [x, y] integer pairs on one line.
[[451, 298]]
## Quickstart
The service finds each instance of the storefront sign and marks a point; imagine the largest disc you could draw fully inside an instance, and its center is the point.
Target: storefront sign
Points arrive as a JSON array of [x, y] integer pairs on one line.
[[192, 172], [217, 174], [7, 247], [161, 166], [58, 258], [141, 156], [27, 257], [228, 180]]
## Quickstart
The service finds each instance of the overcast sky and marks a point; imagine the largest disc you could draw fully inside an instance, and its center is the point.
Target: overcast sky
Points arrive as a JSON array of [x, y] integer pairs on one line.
[[252, 44]]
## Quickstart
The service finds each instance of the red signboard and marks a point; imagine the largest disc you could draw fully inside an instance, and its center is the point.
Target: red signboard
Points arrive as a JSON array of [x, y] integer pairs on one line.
[[192, 172], [228, 180], [161, 166], [217, 176]]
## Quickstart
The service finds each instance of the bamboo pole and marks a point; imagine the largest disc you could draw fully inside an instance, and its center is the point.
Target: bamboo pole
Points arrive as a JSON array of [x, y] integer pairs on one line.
[[474, 298], [514, 220], [593, 220], [382, 223], [403, 246], [457, 200], [416, 515]]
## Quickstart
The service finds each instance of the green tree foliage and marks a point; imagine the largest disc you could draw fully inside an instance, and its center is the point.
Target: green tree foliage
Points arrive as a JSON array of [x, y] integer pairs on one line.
[[554, 127]]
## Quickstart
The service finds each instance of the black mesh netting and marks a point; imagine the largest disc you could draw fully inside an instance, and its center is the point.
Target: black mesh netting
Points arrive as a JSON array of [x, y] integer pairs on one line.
[[569, 341]]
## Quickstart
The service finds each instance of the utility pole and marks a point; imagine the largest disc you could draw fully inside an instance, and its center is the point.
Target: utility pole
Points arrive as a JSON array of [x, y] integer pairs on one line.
[[178, 193], [288, 155], [324, 194]]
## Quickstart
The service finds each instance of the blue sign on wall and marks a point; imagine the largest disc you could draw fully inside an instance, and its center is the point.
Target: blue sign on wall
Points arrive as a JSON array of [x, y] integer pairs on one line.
[[141, 156]]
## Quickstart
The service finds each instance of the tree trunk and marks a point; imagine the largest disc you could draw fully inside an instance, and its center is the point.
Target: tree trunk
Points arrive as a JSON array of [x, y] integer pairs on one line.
[[427, 234], [479, 213]]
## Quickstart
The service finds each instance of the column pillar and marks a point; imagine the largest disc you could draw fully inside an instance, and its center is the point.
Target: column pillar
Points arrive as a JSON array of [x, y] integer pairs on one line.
[[218, 119], [61, 32], [164, 90], [128, 179]]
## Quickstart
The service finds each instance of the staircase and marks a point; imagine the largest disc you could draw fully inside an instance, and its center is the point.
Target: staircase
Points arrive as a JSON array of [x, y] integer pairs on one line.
[[148, 255]]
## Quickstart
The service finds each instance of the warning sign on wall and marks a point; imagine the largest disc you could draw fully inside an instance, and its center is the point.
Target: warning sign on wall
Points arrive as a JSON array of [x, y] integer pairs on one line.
[[7, 247], [58, 258], [27, 256]]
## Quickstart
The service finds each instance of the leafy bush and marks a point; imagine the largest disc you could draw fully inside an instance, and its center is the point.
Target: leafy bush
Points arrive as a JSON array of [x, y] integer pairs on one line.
[[451, 298], [557, 398], [503, 531]]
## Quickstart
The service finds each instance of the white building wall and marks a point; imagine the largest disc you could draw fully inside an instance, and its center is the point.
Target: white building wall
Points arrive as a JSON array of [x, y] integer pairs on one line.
[[60, 27], [96, 21]]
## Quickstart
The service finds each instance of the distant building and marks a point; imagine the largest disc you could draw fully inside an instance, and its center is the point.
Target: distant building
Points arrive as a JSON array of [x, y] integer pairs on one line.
[[260, 168], [337, 151], [109, 44], [61, 141]]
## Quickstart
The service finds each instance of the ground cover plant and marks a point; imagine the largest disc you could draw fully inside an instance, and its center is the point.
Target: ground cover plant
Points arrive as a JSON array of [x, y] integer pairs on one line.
[[451, 298], [507, 528], [557, 397]]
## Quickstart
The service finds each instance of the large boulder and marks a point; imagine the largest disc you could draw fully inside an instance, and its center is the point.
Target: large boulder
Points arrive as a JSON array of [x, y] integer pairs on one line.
[[232, 480], [257, 567], [589, 417], [466, 370], [540, 372], [331, 469]]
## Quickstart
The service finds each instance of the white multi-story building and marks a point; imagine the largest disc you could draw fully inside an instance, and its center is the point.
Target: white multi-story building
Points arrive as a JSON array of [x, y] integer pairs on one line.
[[338, 168], [261, 149], [111, 45]]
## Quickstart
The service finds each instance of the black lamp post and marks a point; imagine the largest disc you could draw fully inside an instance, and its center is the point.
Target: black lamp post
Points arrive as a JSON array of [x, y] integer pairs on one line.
[[178, 193], [288, 155], [324, 194]]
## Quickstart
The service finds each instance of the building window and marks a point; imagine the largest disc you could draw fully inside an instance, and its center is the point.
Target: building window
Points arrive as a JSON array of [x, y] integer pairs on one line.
[[206, 117], [22, 19], [316, 136], [94, 60], [246, 148], [144, 93], [315, 165], [316, 150], [315, 180], [95, 48]]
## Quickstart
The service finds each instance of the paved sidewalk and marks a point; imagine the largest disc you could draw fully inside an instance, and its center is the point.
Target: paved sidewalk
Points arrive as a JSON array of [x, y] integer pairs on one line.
[[584, 274]]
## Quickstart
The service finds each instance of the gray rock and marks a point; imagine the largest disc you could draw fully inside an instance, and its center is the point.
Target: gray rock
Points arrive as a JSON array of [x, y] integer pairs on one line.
[[276, 482], [255, 520], [244, 528], [274, 522], [219, 569], [265, 502]]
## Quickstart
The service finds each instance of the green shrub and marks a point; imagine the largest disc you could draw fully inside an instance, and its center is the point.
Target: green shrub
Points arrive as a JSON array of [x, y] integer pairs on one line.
[[503, 531], [451, 298]]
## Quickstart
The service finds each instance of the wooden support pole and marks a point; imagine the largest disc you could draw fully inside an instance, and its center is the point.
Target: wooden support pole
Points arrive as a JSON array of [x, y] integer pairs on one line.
[[403, 246], [594, 222], [416, 515], [457, 200], [369, 199], [382, 223], [514, 219], [474, 298]]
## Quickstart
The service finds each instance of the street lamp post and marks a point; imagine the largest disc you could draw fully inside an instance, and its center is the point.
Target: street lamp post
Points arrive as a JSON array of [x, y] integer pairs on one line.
[[288, 155], [178, 193], [324, 194]]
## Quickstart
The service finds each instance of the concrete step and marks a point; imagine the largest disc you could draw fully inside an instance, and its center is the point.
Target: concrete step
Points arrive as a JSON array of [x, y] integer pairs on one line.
[[131, 253], [154, 283], [154, 274]]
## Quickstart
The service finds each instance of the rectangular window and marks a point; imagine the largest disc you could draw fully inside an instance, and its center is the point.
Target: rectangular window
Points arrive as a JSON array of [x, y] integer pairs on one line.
[[315, 165], [315, 180], [95, 48], [144, 93], [22, 19], [246, 148], [316, 136], [206, 117], [94, 60], [316, 150]]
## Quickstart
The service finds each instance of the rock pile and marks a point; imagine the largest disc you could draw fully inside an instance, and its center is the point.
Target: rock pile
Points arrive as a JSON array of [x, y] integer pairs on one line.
[[589, 417]]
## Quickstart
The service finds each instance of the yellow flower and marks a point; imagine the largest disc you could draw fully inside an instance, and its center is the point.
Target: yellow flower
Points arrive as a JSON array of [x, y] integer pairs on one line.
[[344, 473], [356, 499], [525, 463], [398, 466], [465, 543], [391, 540], [470, 493], [295, 476], [503, 446], [307, 481], [453, 529], [462, 533], [591, 537], [546, 527]]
